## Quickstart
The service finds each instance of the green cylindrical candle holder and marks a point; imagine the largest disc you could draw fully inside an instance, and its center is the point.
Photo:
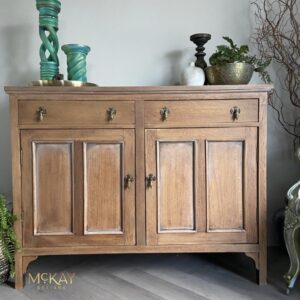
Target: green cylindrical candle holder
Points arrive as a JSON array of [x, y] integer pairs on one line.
[[76, 60], [48, 27]]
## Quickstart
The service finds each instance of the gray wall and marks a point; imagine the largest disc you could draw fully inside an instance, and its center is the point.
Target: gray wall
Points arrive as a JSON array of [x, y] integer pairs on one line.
[[134, 42]]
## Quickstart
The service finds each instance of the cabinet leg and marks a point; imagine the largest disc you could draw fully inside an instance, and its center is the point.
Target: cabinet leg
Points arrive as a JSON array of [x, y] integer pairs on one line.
[[21, 265], [19, 279], [26, 261], [263, 268], [260, 260], [291, 237]]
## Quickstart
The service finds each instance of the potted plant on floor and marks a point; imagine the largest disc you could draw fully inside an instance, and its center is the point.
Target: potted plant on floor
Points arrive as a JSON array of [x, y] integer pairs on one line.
[[8, 241], [231, 64], [276, 36]]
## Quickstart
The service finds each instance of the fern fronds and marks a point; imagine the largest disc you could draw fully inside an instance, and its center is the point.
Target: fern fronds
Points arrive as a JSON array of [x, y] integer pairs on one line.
[[8, 240], [232, 53]]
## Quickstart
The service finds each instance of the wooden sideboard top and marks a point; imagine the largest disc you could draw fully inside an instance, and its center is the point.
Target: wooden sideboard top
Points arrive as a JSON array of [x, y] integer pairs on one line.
[[141, 89]]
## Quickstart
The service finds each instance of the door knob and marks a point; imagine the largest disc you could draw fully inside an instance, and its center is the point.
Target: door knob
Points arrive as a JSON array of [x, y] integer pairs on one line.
[[150, 178], [128, 181]]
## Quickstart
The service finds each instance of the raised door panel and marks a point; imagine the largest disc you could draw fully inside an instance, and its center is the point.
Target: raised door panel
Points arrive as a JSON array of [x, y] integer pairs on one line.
[[206, 188], [176, 186], [177, 196], [232, 183], [53, 188], [108, 204], [48, 198], [225, 163], [231, 180], [103, 172]]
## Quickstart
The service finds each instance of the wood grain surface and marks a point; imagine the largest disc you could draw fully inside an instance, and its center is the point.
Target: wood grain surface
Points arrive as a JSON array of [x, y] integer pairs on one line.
[[69, 171], [103, 169]]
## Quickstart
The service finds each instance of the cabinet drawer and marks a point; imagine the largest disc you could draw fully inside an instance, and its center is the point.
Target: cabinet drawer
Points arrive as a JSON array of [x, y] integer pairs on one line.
[[191, 113], [76, 112]]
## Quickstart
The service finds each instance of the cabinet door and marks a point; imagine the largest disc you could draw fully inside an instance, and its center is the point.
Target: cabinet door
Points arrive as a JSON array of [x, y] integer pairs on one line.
[[206, 186], [73, 187]]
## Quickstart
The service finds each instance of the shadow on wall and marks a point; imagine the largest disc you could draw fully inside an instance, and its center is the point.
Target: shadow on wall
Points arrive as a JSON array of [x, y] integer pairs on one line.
[[17, 44], [16, 69], [177, 61], [174, 61]]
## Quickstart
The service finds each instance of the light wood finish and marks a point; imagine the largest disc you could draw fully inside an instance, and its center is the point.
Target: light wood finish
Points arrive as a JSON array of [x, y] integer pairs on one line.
[[51, 217], [209, 168], [52, 187], [199, 112], [103, 188], [176, 186], [262, 191], [26, 261], [144, 90], [199, 248], [255, 257], [225, 189], [76, 112], [140, 175], [17, 187], [230, 196]]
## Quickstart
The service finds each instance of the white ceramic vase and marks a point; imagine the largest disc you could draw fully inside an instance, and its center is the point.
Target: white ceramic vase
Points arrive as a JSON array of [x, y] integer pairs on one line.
[[193, 75]]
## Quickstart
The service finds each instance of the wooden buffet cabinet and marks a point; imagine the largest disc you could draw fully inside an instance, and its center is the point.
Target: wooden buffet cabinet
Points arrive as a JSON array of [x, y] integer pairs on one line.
[[139, 170]]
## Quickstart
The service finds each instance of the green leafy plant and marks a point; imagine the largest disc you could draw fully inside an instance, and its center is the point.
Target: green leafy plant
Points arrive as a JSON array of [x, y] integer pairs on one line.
[[8, 238], [232, 53]]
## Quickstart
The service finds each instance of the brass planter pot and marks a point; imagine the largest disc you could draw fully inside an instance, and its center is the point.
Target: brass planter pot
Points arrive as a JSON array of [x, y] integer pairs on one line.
[[232, 73]]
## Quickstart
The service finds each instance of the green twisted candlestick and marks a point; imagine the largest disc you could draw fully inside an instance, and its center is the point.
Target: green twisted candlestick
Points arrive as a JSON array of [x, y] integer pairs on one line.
[[48, 27], [76, 60]]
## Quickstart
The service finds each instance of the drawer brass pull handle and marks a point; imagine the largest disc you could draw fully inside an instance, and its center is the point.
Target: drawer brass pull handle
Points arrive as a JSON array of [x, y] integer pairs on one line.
[[235, 111], [164, 112], [41, 113], [111, 113], [128, 181], [150, 179]]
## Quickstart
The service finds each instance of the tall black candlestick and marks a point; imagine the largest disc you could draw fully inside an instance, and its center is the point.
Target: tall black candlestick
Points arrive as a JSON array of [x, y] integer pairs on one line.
[[200, 39]]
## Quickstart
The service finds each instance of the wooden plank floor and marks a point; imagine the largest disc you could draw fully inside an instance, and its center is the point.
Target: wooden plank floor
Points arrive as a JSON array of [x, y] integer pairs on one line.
[[163, 276]]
